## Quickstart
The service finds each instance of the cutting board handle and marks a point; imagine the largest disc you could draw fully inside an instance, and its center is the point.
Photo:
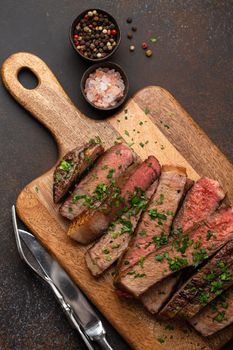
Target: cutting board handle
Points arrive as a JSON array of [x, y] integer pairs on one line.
[[47, 102]]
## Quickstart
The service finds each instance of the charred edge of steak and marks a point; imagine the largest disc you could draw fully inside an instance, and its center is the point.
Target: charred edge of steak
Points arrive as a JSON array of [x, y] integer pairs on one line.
[[215, 316], [108, 168], [73, 167], [93, 223], [209, 282]]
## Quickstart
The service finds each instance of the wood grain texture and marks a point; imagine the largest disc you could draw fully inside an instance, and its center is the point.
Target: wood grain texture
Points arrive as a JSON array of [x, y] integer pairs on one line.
[[174, 138]]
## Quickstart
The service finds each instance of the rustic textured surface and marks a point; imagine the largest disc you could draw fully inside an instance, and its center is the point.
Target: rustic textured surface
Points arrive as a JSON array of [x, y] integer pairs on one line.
[[193, 59]]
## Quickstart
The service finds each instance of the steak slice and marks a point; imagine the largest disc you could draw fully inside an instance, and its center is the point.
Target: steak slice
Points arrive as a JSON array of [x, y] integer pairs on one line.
[[215, 316], [95, 221], [210, 281], [192, 250], [113, 244], [156, 221], [201, 201], [90, 191], [157, 295], [72, 167]]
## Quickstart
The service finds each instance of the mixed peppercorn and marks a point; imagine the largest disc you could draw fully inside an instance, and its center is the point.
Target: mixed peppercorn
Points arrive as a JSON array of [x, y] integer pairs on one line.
[[95, 36]]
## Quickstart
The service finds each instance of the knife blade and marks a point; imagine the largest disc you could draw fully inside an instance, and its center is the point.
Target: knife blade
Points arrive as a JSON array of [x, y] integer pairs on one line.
[[70, 296]]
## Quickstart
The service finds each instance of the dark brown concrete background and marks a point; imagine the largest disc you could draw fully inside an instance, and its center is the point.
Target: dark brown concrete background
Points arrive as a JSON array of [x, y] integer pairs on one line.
[[193, 59]]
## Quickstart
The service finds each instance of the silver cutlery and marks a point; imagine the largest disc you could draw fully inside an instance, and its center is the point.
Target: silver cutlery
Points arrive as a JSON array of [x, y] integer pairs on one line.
[[73, 302]]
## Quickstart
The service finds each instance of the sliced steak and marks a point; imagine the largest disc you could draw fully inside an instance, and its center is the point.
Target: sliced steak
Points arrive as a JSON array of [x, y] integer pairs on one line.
[[191, 251], [201, 201], [210, 281], [215, 316], [113, 244], [157, 295], [95, 221], [91, 191], [156, 221], [72, 167]]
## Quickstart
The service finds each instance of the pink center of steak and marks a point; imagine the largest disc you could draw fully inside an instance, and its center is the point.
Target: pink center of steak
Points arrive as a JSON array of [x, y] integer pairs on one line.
[[158, 217], [201, 201]]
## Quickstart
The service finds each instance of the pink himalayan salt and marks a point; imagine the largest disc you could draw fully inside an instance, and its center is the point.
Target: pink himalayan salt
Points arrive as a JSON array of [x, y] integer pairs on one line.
[[104, 88]]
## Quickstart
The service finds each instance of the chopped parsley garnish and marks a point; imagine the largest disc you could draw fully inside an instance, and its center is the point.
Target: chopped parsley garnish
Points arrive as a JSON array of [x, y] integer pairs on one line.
[[37, 189], [167, 126], [65, 165], [141, 123], [203, 298], [126, 133], [58, 177], [142, 233], [115, 245], [136, 274], [216, 286], [161, 339], [170, 327], [160, 240], [199, 256], [108, 258], [141, 261], [161, 199], [146, 111], [209, 235], [154, 214], [105, 251], [177, 263], [141, 144], [219, 317], [110, 173]]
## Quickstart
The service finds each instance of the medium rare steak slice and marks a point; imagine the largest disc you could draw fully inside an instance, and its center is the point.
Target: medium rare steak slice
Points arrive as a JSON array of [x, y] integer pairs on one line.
[[156, 221], [215, 316], [91, 190], [92, 223], [157, 295], [113, 244], [202, 200], [191, 251], [72, 167]]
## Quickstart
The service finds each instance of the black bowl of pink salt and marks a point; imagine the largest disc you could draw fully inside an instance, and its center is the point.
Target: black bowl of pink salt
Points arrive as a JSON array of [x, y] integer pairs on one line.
[[105, 86], [95, 35]]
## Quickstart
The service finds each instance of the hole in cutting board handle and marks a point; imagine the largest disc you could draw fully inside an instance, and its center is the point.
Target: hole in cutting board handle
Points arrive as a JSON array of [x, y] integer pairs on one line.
[[28, 79]]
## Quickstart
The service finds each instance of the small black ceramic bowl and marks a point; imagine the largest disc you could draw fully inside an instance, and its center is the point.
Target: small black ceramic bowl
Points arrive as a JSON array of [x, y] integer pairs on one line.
[[109, 65], [81, 17]]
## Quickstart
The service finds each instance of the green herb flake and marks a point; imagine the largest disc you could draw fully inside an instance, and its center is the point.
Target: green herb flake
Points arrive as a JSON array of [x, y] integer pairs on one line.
[[166, 126], [141, 261], [169, 327], [219, 317], [110, 173], [153, 39], [209, 235], [142, 233], [126, 133], [65, 165], [108, 258], [177, 263], [105, 251], [115, 245], [37, 189], [161, 339], [146, 111], [140, 123], [141, 144]]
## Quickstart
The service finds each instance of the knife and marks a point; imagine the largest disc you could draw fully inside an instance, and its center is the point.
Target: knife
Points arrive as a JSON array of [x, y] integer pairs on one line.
[[73, 302]]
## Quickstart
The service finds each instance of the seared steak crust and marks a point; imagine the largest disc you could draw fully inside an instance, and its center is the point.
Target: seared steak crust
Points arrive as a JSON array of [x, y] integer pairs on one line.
[[94, 222], [191, 251], [215, 316], [108, 167], [72, 167]]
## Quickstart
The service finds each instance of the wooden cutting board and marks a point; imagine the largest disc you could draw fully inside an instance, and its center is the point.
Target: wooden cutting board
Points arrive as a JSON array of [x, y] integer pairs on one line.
[[151, 115]]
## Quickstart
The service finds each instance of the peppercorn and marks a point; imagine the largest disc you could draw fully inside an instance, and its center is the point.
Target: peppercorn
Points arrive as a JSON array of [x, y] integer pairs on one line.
[[132, 47], [129, 35], [134, 29], [144, 45], [113, 32], [129, 20], [149, 53]]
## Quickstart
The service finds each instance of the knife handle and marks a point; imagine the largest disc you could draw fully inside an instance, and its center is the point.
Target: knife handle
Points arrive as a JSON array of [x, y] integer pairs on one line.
[[102, 341], [68, 311]]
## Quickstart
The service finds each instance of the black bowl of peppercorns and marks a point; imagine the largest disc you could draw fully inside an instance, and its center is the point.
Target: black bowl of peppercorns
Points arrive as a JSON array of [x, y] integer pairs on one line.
[[95, 35]]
